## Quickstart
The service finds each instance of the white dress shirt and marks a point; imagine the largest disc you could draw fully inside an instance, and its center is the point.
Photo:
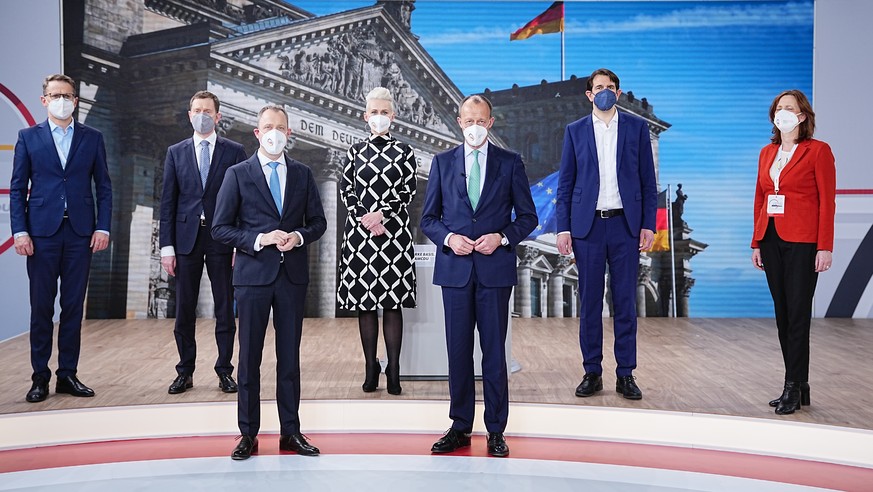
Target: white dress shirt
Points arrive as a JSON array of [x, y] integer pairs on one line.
[[282, 171], [197, 139], [468, 164], [171, 249], [606, 140]]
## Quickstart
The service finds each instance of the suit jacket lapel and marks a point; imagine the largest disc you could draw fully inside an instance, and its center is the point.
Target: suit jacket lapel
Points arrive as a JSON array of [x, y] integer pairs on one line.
[[257, 175], [288, 185], [192, 160], [802, 148], [492, 167], [216, 159], [459, 170], [47, 140], [588, 129], [619, 148], [78, 134]]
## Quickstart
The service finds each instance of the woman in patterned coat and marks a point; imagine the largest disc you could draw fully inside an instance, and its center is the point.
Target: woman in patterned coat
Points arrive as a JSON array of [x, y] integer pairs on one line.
[[376, 269]]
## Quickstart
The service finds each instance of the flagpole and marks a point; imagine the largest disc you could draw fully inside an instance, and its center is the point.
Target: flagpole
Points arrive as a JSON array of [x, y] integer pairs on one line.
[[562, 54], [672, 251]]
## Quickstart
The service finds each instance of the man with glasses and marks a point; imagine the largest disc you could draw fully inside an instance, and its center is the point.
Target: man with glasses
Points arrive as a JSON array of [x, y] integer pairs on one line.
[[471, 194], [55, 227]]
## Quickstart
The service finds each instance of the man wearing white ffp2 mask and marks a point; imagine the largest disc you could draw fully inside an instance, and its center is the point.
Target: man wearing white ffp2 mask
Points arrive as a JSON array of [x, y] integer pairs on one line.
[[270, 225], [471, 193]]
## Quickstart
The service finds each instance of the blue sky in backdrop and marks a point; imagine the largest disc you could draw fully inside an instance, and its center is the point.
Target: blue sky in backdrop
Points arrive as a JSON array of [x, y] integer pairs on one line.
[[708, 68]]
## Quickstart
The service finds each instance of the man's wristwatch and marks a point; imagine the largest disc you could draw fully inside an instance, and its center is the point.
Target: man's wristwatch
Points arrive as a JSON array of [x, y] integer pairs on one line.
[[503, 240]]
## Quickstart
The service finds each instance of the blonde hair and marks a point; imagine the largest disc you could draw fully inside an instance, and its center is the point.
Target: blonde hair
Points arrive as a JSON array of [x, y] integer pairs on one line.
[[380, 93]]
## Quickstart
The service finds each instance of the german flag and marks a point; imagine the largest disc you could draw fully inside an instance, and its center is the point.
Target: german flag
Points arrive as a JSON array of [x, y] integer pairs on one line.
[[552, 20], [662, 234]]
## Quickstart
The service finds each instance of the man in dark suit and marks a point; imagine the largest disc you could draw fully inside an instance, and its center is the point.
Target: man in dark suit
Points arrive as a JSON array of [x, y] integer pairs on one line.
[[471, 194], [55, 228], [605, 211], [269, 209], [193, 172]]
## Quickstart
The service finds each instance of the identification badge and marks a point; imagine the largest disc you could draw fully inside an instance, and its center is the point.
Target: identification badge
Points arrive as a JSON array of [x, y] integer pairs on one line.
[[775, 205]]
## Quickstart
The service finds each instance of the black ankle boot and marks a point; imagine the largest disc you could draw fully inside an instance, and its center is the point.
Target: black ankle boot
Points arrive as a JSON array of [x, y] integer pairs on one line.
[[392, 375], [790, 402], [371, 381], [804, 396]]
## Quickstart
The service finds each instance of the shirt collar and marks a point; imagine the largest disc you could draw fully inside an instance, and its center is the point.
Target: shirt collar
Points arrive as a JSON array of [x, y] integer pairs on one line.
[[53, 126], [612, 122], [211, 139], [264, 160], [483, 150], [385, 137]]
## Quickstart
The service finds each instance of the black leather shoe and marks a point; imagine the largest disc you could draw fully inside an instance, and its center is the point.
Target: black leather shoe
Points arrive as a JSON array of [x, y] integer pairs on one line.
[[371, 378], [628, 388], [298, 444], [245, 449], [497, 445], [591, 383], [804, 396], [39, 391], [72, 386], [226, 383], [392, 375], [181, 384], [790, 401], [451, 440]]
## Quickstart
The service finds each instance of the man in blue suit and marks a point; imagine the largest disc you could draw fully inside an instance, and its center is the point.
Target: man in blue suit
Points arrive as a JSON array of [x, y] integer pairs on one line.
[[193, 172], [605, 210], [269, 209], [55, 228], [471, 194]]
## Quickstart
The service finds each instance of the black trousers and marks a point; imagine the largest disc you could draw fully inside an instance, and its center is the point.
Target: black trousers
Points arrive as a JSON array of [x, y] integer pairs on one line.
[[189, 270], [791, 275]]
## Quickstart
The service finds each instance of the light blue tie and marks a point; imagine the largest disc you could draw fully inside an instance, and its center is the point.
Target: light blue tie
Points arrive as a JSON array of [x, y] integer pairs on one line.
[[275, 187], [475, 178], [204, 162]]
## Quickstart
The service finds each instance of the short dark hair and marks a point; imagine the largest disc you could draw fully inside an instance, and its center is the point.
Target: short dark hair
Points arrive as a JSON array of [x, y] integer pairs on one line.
[[58, 77], [205, 95], [272, 107], [602, 71], [806, 127], [476, 99]]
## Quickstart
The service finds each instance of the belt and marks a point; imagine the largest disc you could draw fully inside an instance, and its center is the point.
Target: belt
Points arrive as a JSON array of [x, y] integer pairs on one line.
[[281, 257], [66, 214], [202, 222], [606, 214]]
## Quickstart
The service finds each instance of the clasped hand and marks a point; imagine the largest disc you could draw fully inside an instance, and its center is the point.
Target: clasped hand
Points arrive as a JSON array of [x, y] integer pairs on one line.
[[284, 241], [462, 245], [373, 222]]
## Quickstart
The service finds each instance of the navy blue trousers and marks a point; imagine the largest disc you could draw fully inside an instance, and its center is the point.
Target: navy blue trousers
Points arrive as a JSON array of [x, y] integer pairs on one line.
[[608, 243], [65, 256]]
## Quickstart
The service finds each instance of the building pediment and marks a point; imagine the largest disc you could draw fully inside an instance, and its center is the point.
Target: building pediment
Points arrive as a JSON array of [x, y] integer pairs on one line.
[[347, 54]]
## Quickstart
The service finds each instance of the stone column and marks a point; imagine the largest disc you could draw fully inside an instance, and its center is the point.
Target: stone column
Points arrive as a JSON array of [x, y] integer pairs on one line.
[[324, 269], [522, 297], [643, 279], [556, 287]]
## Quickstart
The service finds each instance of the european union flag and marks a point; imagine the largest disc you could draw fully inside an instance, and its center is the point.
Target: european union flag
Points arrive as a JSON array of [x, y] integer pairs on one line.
[[544, 193]]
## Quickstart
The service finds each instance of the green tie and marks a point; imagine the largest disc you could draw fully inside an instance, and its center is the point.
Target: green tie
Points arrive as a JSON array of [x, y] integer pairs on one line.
[[473, 184]]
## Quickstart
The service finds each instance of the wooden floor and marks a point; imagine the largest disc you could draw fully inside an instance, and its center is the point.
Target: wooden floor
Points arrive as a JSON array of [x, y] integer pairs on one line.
[[714, 366]]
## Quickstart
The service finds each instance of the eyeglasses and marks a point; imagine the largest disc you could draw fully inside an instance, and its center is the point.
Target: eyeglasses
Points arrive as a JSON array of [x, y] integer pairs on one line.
[[54, 97]]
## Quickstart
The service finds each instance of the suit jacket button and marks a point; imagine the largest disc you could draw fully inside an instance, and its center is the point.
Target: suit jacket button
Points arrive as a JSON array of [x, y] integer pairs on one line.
[[474, 221]]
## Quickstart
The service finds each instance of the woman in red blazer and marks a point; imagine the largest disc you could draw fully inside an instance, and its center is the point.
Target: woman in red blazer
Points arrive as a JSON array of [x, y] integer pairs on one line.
[[794, 232]]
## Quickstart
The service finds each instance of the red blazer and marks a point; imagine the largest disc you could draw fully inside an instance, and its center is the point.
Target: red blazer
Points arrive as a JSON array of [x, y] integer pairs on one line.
[[809, 183]]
